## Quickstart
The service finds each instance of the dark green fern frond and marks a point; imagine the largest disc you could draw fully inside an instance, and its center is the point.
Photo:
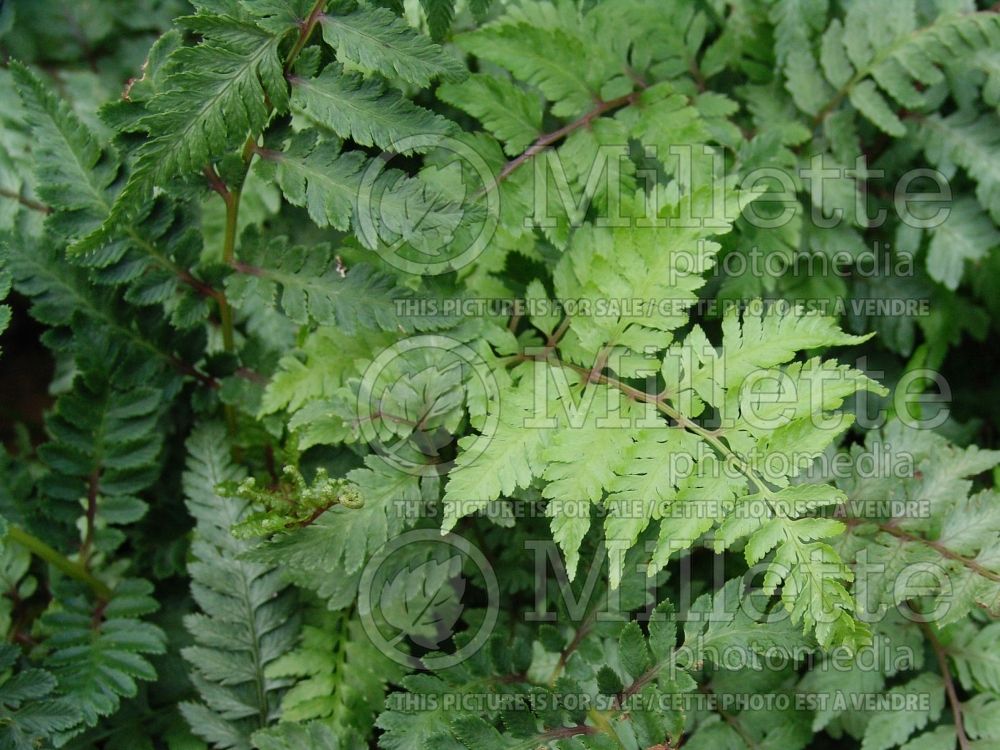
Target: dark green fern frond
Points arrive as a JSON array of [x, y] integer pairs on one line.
[[213, 96], [30, 714], [376, 40], [310, 284], [290, 736], [98, 653], [75, 173], [870, 52], [78, 177], [104, 449], [84, 317], [248, 617], [365, 111]]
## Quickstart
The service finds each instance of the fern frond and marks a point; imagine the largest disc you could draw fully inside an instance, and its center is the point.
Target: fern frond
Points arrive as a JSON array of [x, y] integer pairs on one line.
[[511, 114], [341, 677], [625, 673], [582, 461], [324, 363], [965, 237], [950, 528], [546, 58], [512, 462], [74, 172], [392, 209], [762, 338], [18, 208], [30, 714], [291, 736], [375, 39], [275, 16], [667, 266], [972, 142], [77, 177], [99, 656], [341, 540], [104, 449], [15, 562], [247, 618], [319, 176], [873, 54], [883, 733], [63, 298], [364, 110], [796, 24], [440, 14], [213, 96], [311, 284]]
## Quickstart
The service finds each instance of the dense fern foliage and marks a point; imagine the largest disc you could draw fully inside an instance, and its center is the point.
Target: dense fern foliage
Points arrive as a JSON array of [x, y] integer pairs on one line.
[[495, 374]]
